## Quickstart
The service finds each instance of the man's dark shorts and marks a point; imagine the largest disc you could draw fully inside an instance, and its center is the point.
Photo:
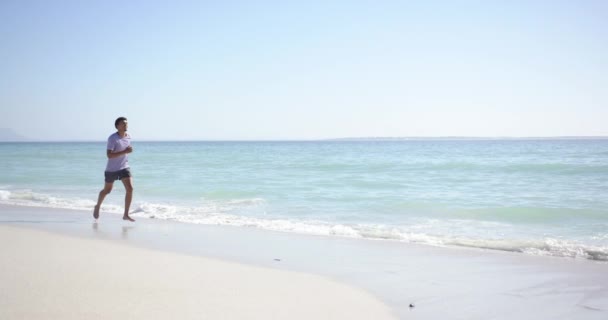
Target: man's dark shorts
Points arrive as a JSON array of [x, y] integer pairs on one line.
[[117, 175]]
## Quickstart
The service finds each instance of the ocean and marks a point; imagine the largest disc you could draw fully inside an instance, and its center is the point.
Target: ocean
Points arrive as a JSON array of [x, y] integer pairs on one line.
[[539, 197]]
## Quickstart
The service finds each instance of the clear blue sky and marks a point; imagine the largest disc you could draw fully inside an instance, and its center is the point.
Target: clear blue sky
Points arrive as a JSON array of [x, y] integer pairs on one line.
[[183, 70]]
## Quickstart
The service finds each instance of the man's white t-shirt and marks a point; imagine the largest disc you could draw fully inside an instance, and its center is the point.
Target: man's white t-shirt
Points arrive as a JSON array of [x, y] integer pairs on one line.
[[116, 143]]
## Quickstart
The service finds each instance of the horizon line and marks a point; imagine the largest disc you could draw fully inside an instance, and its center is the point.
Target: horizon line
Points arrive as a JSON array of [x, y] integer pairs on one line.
[[380, 138]]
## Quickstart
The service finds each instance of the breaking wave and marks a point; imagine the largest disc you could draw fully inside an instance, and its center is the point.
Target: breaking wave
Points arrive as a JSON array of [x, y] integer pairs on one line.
[[233, 212]]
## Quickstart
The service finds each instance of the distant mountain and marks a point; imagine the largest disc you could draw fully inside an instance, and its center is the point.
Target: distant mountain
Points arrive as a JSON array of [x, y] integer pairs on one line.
[[7, 134]]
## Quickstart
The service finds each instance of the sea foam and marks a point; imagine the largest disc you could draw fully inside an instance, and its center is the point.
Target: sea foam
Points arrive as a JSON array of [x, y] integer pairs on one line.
[[445, 233]]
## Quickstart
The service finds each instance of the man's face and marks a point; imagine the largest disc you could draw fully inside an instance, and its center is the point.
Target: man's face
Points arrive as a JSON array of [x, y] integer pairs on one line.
[[122, 125]]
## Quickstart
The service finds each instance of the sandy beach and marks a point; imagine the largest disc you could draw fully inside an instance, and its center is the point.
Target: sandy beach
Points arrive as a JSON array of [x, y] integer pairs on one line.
[[59, 264], [49, 276]]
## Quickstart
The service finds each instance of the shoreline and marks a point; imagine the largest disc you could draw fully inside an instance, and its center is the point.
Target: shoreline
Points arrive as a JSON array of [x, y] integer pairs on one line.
[[474, 283]]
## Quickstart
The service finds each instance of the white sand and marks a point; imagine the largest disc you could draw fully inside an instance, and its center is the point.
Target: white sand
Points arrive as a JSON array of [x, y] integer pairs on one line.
[[65, 276], [49, 276]]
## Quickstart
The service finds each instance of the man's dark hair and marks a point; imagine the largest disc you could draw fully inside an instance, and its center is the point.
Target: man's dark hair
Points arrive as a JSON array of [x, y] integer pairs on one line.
[[119, 120]]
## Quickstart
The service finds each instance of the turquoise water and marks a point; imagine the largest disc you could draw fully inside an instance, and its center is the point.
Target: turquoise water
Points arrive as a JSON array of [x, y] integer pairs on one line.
[[545, 197]]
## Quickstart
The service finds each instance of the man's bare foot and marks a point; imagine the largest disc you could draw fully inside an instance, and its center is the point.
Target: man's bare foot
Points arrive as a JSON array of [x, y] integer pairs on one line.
[[128, 218], [96, 212]]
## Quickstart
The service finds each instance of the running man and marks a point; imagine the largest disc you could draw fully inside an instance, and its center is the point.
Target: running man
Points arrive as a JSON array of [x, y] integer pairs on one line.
[[119, 146]]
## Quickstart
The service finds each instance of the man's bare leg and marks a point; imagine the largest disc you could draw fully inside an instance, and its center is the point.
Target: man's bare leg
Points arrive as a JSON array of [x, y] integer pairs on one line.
[[128, 197], [107, 188]]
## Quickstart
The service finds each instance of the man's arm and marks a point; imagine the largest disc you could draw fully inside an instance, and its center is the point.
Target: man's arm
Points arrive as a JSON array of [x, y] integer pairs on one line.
[[111, 155]]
